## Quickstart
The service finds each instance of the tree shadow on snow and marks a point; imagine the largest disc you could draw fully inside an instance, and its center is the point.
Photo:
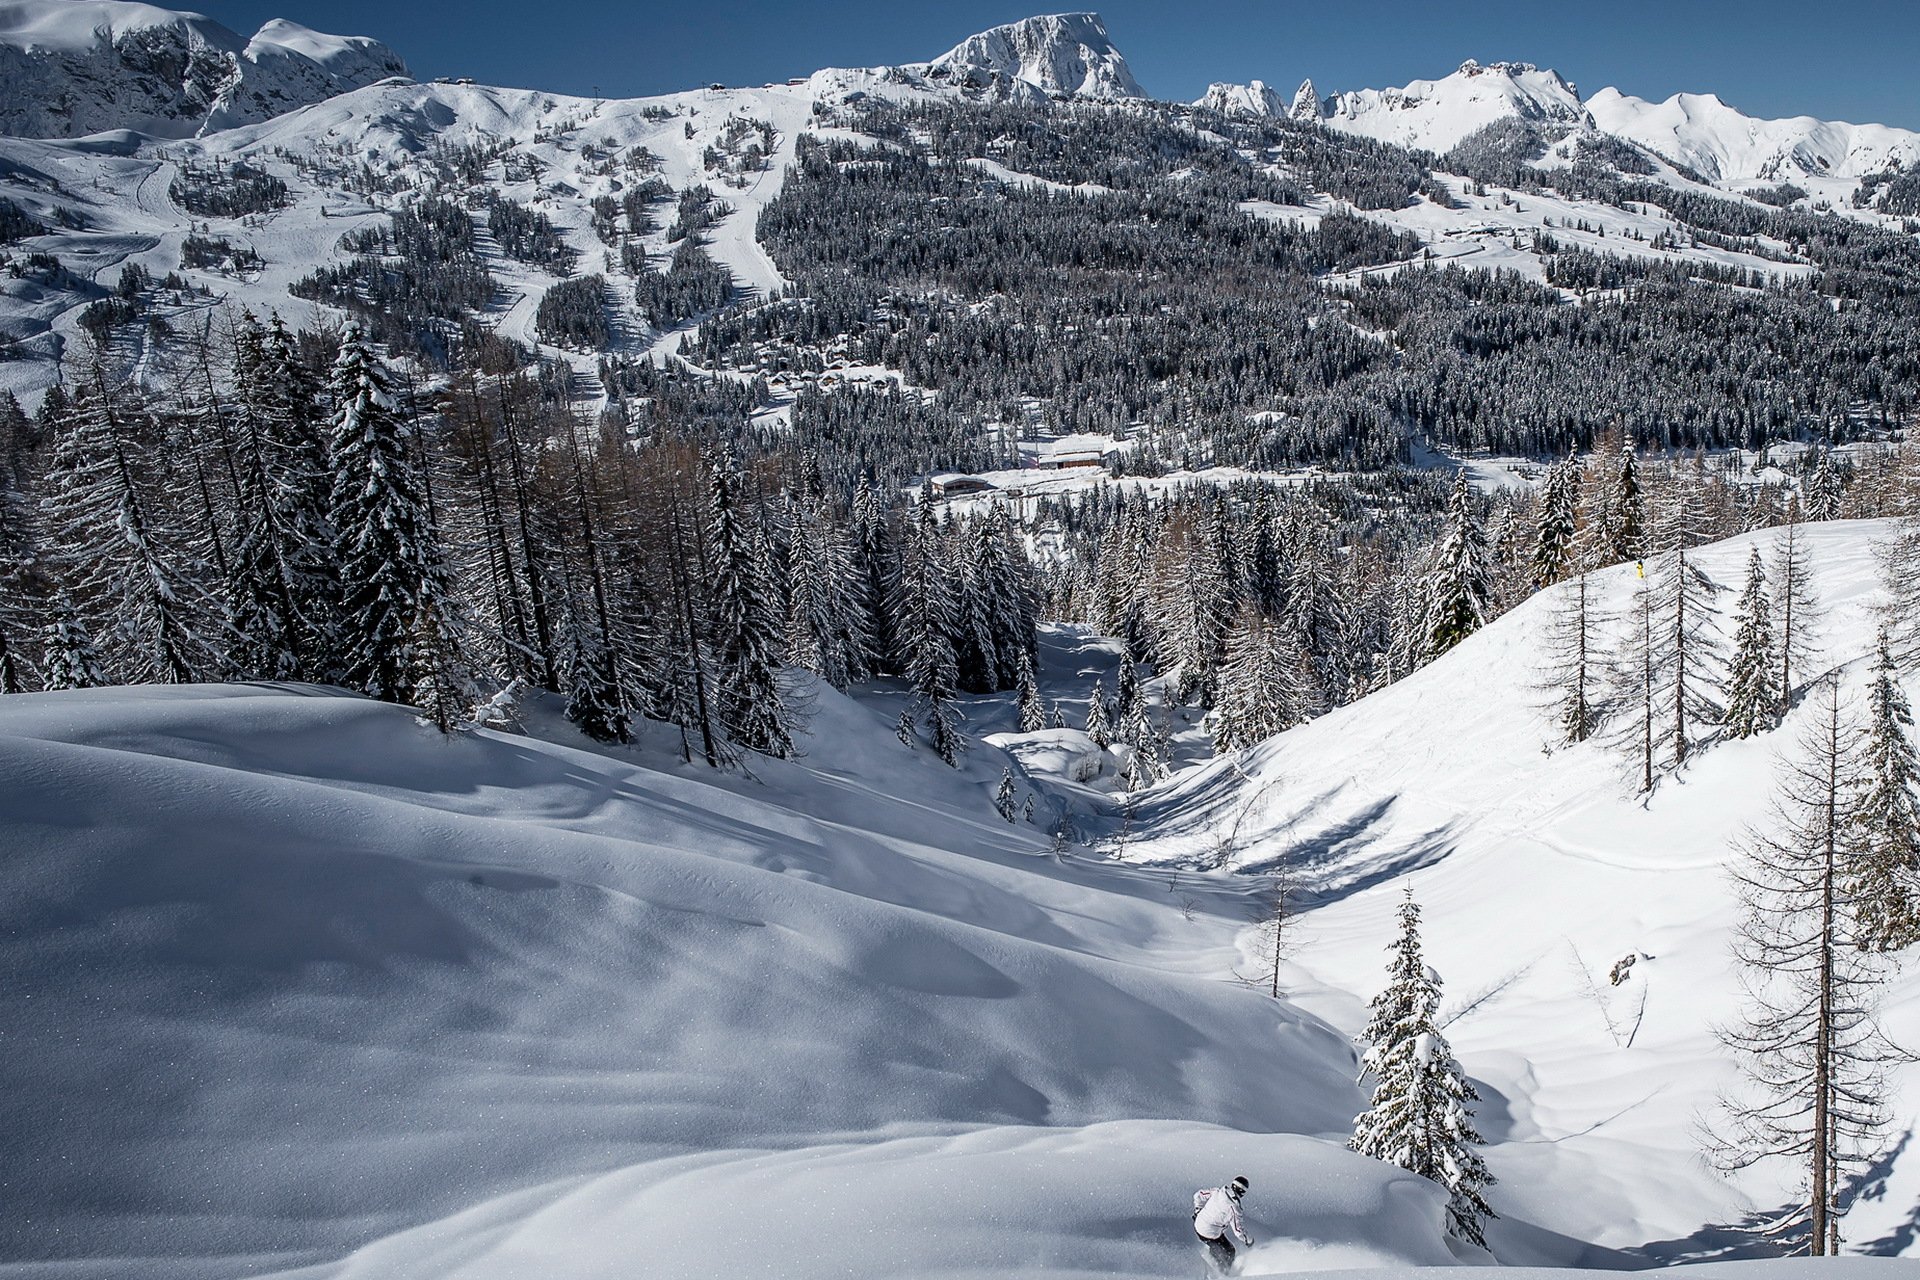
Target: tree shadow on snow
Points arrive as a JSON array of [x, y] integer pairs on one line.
[[1752, 1236]]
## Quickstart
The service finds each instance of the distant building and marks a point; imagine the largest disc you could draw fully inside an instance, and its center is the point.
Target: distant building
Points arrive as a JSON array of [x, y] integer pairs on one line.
[[949, 486], [1075, 459]]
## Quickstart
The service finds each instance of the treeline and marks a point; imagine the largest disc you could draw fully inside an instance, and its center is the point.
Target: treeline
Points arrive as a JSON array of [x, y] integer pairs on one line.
[[297, 515], [1271, 603]]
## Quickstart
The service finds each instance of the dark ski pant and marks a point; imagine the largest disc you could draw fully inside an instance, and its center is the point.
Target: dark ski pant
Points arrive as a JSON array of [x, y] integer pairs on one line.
[[1220, 1253]]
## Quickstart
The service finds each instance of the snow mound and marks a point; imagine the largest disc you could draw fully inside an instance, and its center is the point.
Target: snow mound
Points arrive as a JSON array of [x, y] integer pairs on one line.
[[1062, 54]]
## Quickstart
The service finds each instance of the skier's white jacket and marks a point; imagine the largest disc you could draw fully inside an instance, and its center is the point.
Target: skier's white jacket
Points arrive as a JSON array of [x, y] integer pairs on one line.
[[1215, 1213]]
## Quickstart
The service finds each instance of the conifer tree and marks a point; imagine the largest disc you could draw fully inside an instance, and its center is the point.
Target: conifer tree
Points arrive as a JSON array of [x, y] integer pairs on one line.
[[1576, 661], [19, 551], [1637, 680], [1418, 1117], [745, 638], [391, 570], [1753, 701], [125, 568], [1261, 689], [1006, 800], [1807, 1041], [1556, 521], [70, 659], [1628, 503], [1099, 728], [1795, 603], [1033, 710], [596, 699], [1883, 877], [285, 467], [1458, 593], [921, 609], [1690, 640]]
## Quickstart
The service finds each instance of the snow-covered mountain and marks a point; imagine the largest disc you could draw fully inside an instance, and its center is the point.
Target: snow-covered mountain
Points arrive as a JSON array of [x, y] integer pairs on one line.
[[1062, 54], [1436, 114], [1255, 98], [1726, 145], [75, 67], [1699, 131]]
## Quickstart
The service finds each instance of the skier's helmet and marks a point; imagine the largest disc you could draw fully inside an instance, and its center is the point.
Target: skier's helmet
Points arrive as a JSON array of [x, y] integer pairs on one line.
[[1238, 1187]]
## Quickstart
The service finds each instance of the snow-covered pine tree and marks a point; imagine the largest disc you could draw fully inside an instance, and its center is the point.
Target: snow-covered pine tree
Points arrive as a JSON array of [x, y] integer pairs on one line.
[[976, 641], [1193, 610], [19, 551], [744, 633], [1753, 700], [1006, 800], [392, 574], [1556, 521], [68, 656], [1614, 530], [872, 574], [290, 432], [922, 623], [999, 573], [1807, 1041], [596, 698], [1099, 727], [1261, 686], [131, 583], [1033, 711], [1882, 881], [1418, 1117], [810, 623], [1823, 489], [1458, 593]]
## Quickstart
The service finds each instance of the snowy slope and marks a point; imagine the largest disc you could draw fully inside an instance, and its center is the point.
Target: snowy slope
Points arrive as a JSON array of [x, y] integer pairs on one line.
[[74, 67], [1436, 114], [1062, 54], [291, 976], [1722, 143], [1540, 869]]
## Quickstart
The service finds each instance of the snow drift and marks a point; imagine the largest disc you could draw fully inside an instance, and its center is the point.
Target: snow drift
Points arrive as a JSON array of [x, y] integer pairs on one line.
[[290, 975]]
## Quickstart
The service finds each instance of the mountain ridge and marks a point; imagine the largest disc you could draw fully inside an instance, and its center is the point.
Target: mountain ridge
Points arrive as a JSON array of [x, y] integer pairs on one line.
[[70, 68]]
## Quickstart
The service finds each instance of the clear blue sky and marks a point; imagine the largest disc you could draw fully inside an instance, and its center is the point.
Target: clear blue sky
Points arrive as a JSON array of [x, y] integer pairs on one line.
[[1853, 60]]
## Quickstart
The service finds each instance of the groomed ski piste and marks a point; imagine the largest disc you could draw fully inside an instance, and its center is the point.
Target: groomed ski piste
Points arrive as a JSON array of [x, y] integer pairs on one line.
[[297, 987]]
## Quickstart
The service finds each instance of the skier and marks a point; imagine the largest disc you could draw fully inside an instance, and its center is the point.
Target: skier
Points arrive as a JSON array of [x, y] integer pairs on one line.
[[1216, 1219]]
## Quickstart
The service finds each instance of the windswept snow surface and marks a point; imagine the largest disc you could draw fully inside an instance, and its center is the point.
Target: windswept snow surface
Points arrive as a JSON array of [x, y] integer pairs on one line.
[[291, 978], [1539, 868]]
